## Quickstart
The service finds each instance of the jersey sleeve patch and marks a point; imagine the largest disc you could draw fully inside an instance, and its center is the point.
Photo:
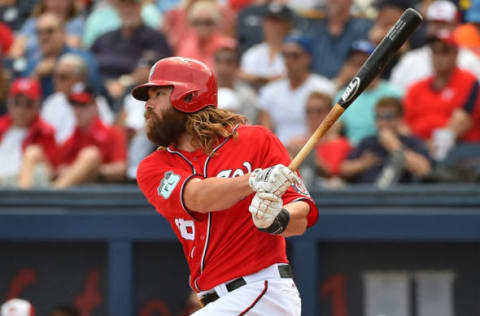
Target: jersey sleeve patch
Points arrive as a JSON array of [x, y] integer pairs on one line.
[[167, 185], [300, 187]]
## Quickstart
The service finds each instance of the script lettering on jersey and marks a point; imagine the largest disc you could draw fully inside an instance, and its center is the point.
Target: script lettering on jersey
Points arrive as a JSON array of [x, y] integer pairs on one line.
[[168, 183], [231, 173]]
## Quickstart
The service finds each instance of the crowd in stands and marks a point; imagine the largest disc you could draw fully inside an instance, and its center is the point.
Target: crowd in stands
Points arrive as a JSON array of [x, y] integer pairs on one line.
[[68, 66]]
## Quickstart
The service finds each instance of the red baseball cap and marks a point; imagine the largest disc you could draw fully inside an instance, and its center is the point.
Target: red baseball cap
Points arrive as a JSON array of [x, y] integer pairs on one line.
[[446, 37], [81, 94], [28, 87]]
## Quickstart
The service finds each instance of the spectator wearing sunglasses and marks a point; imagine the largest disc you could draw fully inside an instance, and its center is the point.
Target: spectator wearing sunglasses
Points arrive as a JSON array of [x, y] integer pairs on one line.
[[444, 108], [52, 39], [206, 37], [25, 138], [69, 71], [282, 102], [392, 155], [359, 121]]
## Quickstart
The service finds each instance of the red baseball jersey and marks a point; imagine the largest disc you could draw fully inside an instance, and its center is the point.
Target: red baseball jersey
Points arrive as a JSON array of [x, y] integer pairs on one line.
[[223, 245]]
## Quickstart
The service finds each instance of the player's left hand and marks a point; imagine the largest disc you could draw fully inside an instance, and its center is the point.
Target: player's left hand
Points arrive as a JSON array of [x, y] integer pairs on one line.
[[268, 213], [276, 179]]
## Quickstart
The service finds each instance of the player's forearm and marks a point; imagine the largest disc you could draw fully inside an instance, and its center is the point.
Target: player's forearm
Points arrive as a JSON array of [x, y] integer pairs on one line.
[[215, 194], [298, 218]]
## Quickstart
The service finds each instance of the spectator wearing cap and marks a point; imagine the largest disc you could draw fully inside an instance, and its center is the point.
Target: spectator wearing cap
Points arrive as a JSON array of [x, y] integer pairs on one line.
[[333, 35], [119, 51], [359, 121], [226, 67], [440, 15], [282, 102], [95, 151], [263, 62], [468, 35], [444, 108], [25, 138], [70, 70], [392, 155], [206, 37], [51, 35], [17, 307]]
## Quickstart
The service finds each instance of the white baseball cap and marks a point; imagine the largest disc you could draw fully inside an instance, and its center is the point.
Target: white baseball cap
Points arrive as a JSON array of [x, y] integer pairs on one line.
[[17, 307], [443, 11]]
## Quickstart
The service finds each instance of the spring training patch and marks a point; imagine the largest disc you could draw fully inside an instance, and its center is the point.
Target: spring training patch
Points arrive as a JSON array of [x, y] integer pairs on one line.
[[168, 183]]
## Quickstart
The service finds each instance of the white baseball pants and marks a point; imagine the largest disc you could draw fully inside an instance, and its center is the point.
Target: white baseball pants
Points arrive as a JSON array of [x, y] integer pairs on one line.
[[264, 294]]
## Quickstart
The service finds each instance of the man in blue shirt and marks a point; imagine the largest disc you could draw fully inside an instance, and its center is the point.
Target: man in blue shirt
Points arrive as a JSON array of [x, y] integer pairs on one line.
[[333, 36], [51, 36]]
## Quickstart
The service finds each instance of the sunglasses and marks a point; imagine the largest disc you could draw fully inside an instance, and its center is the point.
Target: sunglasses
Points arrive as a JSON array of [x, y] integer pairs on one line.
[[292, 55], [385, 116], [45, 31], [204, 22]]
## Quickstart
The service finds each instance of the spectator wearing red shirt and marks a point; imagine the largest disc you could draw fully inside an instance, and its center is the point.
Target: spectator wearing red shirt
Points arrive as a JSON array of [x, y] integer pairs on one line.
[[332, 148], [25, 138], [94, 151], [444, 107]]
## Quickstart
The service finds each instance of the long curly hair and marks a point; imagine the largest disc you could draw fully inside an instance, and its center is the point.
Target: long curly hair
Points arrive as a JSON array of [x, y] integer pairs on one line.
[[210, 125]]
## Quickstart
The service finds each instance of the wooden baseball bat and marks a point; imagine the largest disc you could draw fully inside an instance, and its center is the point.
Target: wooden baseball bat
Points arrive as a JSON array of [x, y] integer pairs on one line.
[[372, 67]]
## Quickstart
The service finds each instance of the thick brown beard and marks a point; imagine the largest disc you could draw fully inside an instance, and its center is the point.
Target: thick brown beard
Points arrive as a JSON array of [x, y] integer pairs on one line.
[[165, 131]]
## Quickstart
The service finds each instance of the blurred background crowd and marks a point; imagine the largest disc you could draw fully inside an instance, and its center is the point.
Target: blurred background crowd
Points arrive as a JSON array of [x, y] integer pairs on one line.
[[67, 67]]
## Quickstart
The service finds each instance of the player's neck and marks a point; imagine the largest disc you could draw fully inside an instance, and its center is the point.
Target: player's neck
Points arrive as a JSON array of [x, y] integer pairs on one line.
[[185, 143]]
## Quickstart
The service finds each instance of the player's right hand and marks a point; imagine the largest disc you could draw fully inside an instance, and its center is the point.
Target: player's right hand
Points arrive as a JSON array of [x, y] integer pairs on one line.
[[276, 179], [268, 214]]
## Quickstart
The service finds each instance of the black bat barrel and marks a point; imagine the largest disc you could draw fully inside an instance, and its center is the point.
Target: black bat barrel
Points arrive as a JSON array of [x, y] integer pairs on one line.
[[379, 58]]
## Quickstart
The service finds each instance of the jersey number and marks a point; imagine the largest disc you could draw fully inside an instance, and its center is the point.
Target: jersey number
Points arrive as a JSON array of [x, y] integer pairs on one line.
[[186, 228]]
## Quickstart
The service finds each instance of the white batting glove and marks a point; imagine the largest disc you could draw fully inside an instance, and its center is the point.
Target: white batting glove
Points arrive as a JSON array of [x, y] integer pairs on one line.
[[276, 179], [268, 214]]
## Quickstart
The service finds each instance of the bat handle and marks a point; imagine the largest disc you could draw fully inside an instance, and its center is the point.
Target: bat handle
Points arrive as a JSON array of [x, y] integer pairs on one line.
[[327, 122]]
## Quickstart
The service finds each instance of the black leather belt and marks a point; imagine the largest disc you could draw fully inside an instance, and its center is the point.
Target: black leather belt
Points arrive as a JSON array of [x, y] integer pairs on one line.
[[285, 271]]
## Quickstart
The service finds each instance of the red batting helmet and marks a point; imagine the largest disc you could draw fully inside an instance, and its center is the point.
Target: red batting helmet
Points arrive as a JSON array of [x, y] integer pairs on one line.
[[188, 77]]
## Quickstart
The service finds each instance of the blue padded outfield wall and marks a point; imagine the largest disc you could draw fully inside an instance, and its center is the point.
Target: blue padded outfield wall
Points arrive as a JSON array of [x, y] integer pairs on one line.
[[407, 251]]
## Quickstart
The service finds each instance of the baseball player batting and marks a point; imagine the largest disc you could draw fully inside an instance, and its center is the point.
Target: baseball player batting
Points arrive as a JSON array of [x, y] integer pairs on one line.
[[226, 191]]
